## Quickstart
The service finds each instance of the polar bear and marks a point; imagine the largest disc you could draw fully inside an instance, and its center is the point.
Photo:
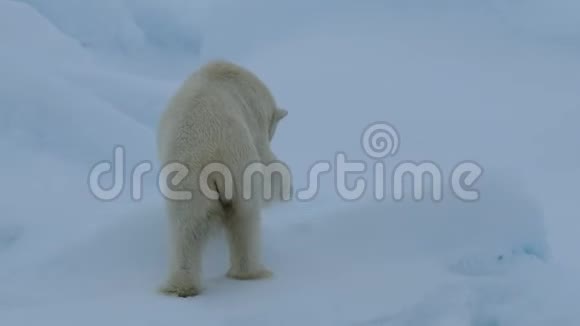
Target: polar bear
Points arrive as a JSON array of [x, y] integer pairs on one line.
[[221, 114]]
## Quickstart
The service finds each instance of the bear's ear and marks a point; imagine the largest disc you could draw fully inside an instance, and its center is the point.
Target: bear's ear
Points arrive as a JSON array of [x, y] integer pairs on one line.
[[280, 114]]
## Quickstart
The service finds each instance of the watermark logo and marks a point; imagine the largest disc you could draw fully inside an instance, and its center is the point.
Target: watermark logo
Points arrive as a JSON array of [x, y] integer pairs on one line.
[[380, 141]]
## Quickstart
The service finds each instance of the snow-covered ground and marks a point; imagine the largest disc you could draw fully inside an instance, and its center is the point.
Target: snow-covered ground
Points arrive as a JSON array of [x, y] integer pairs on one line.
[[495, 82]]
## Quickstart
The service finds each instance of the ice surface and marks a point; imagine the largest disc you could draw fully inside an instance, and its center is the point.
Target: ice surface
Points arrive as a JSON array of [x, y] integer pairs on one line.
[[494, 82]]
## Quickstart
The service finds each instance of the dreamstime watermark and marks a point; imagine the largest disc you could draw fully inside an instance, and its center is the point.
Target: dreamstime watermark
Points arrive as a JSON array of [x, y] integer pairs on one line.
[[216, 180]]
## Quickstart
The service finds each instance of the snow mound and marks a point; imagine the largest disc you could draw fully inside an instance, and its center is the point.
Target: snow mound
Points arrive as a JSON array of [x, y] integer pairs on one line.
[[127, 26]]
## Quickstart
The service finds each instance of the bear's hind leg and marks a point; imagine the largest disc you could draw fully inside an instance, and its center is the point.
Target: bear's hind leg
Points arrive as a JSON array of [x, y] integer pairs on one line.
[[243, 232], [189, 227]]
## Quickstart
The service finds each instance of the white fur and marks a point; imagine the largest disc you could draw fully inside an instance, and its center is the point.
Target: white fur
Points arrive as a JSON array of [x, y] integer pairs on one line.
[[222, 113]]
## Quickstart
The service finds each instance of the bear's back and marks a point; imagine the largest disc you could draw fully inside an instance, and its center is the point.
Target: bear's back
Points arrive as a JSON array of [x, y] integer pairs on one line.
[[245, 88], [216, 111]]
